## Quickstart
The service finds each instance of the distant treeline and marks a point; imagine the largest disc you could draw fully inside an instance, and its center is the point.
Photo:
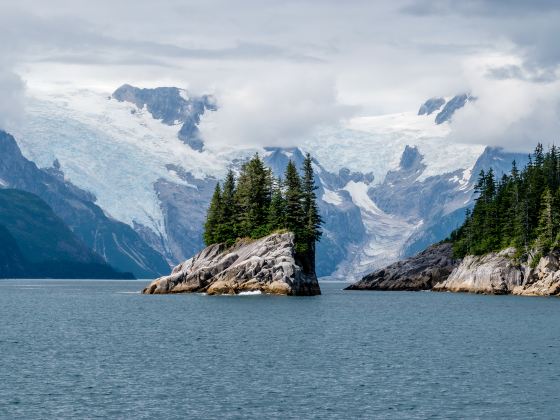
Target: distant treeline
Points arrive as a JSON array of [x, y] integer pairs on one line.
[[256, 204], [521, 209]]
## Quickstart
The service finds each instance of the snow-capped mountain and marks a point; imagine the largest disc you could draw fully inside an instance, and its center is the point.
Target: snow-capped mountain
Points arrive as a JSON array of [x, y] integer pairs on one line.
[[387, 184]]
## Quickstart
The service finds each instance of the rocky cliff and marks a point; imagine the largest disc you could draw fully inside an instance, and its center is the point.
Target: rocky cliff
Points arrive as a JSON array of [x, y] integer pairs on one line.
[[499, 274], [267, 265], [495, 273], [543, 280], [420, 272]]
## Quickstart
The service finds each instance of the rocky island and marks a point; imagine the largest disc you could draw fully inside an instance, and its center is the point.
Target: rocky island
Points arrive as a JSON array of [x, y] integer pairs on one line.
[[267, 265], [260, 234]]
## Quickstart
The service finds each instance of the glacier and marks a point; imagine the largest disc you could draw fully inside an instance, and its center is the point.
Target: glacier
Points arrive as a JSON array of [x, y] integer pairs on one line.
[[144, 175]]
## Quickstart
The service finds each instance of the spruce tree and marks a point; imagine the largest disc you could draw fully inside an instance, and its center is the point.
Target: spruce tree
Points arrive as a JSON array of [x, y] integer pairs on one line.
[[213, 218], [253, 195], [546, 230], [295, 217], [226, 229], [313, 219], [522, 209], [277, 210]]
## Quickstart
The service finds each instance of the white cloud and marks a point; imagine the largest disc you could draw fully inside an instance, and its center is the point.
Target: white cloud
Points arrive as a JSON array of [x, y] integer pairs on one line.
[[512, 113], [11, 97], [276, 109], [281, 68]]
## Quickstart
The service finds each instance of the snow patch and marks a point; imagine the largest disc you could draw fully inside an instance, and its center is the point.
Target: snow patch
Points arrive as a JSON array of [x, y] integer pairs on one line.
[[331, 197], [375, 144]]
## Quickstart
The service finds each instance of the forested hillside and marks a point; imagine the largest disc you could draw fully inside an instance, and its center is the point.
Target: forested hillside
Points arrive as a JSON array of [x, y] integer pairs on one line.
[[521, 209]]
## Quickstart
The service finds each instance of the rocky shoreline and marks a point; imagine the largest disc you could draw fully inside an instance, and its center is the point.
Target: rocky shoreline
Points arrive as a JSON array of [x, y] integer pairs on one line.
[[268, 265], [495, 273]]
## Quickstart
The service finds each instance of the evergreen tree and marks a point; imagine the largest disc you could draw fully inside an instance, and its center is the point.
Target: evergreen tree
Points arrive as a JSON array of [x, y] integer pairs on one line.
[[313, 219], [277, 210], [213, 219], [522, 209], [547, 223], [225, 232], [295, 217], [253, 195], [256, 205]]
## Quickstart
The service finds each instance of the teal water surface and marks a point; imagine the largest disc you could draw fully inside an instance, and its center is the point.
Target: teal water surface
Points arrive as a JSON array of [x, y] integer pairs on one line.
[[98, 349]]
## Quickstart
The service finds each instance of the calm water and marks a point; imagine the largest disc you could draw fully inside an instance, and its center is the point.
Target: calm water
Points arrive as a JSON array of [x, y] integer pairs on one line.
[[96, 349]]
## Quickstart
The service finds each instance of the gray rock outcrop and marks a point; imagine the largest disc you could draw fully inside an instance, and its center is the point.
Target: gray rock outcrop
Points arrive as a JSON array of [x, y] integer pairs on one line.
[[544, 279], [268, 265], [420, 272], [494, 273], [431, 105], [172, 106]]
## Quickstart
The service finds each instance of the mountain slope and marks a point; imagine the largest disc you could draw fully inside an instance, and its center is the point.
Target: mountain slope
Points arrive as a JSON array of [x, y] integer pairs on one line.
[[12, 262], [39, 244], [115, 241]]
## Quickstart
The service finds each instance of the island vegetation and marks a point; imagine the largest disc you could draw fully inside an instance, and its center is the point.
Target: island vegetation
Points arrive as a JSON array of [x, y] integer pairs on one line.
[[255, 204], [521, 210]]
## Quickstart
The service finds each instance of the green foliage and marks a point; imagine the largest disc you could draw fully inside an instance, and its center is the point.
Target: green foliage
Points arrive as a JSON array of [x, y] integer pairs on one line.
[[252, 197], [313, 220], [214, 217], [522, 209], [256, 205]]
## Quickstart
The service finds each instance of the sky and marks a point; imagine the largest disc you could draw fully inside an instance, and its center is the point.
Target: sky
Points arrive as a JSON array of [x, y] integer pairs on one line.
[[281, 68]]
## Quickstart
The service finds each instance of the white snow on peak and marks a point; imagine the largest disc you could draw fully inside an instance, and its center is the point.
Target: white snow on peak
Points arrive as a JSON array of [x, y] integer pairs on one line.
[[184, 94], [110, 148], [375, 144]]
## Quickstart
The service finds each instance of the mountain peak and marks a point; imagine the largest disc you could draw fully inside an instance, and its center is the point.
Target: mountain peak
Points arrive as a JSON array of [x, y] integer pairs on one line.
[[455, 103], [172, 106], [431, 105]]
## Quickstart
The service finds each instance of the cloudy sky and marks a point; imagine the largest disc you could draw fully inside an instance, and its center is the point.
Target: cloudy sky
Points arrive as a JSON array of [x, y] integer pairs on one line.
[[301, 63]]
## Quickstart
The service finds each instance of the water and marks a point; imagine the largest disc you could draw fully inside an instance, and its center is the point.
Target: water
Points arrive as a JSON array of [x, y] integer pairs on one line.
[[96, 349]]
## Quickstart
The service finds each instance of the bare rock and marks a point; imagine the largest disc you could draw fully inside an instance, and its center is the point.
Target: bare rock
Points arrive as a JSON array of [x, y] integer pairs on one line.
[[494, 273], [420, 272], [544, 279], [268, 265]]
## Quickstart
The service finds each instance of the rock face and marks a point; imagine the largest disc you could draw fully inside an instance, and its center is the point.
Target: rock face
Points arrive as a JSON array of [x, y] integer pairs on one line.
[[453, 105], [499, 274], [431, 105], [420, 272], [544, 280], [171, 105], [494, 273], [268, 265]]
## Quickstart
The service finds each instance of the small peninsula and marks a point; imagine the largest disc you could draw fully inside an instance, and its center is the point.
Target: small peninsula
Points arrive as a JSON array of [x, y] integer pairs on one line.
[[260, 234], [508, 244]]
